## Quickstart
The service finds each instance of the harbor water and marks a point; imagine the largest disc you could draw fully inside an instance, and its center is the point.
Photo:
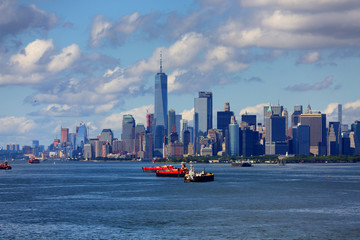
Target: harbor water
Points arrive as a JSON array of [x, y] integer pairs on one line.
[[114, 200]]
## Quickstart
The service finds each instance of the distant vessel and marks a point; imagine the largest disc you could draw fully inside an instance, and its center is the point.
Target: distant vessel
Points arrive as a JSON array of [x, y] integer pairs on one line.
[[34, 160], [173, 172], [5, 166], [157, 168], [193, 176], [241, 164]]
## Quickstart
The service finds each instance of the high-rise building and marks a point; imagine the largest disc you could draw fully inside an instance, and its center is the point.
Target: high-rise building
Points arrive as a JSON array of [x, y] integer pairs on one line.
[[64, 135], [286, 116], [301, 139], [171, 120], [276, 110], [224, 117], [317, 122], [234, 137], [178, 118], [161, 109], [340, 114], [183, 128], [106, 136], [149, 122], [81, 135], [139, 137], [334, 139], [203, 113], [128, 133], [249, 119], [295, 117], [275, 138]]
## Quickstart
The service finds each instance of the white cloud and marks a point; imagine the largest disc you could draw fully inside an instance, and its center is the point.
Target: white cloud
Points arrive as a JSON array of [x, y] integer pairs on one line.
[[188, 114], [114, 121], [16, 125], [67, 57], [173, 82], [27, 61], [99, 30], [350, 111], [254, 110]]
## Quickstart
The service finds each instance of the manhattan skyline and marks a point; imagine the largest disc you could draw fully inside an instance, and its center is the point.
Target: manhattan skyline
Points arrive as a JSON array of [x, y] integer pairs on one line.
[[63, 63]]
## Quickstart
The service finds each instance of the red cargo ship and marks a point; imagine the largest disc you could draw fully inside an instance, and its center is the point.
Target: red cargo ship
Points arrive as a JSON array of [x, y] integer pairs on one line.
[[157, 168], [174, 172], [34, 160]]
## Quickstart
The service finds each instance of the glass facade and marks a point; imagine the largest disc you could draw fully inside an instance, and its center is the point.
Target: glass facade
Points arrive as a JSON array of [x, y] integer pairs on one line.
[[161, 109], [81, 136], [128, 133], [203, 113], [234, 139]]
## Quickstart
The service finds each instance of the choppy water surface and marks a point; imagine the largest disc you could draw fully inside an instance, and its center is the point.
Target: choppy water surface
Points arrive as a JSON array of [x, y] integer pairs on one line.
[[99, 200]]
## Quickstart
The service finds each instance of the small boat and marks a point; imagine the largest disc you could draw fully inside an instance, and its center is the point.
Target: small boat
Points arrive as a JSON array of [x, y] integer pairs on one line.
[[34, 160], [5, 166], [241, 164], [157, 168], [193, 176]]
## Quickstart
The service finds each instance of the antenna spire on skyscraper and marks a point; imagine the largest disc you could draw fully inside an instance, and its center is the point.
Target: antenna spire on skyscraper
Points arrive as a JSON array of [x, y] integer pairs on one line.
[[160, 61]]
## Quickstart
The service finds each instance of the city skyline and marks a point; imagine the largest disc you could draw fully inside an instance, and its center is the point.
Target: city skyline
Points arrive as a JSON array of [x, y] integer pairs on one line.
[[61, 65]]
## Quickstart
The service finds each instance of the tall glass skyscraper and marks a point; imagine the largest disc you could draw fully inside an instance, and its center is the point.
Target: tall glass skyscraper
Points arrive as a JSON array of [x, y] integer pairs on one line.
[[128, 133], [203, 113], [161, 108], [81, 135]]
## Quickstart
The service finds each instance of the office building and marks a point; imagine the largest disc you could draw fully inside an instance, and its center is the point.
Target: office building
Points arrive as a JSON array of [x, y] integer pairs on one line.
[[64, 135], [275, 138], [334, 139], [234, 137], [249, 119], [224, 117], [317, 122], [295, 117], [202, 115], [276, 110], [171, 120], [340, 114], [128, 133], [355, 128], [161, 110], [301, 139], [81, 135], [183, 128], [106, 136]]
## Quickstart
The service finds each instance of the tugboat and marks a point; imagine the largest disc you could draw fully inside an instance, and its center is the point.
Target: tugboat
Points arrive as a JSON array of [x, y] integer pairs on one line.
[[157, 168], [34, 160], [5, 166], [193, 176], [173, 172], [241, 164]]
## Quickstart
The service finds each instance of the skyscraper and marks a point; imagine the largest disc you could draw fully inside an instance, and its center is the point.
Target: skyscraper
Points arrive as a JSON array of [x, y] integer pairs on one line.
[[234, 137], [81, 135], [355, 127], [128, 133], [249, 119], [161, 109], [295, 117], [171, 120], [64, 135], [334, 139], [301, 139], [317, 122], [106, 136], [275, 139], [276, 110], [224, 117], [340, 114], [202, 115], [183, 128]]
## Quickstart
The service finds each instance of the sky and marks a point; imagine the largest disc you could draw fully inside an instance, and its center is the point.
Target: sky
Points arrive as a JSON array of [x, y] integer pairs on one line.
[[67, 62]]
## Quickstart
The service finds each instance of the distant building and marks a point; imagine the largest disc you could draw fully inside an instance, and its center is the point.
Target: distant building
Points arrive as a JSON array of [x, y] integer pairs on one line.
[[202, 115], [275, 139], [234, 138], [317, 122], [161, 110], [106, 136], [64, 135], [171, 120], [355, 127], [295, 117], [276, 110], [301, 139], [340, 114], [81, 135], [224, 117], [249, 119], [334, 139], [128, 133]]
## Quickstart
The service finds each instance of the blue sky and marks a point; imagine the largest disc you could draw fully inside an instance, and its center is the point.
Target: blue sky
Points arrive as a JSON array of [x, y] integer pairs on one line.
[[63, 62]]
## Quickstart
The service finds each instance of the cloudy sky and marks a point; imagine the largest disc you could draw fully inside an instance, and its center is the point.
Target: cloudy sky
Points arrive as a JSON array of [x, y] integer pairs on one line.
[[66, 62]]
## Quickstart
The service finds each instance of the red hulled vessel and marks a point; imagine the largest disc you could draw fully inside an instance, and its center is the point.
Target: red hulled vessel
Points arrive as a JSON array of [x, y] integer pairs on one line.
[[157, 168], [5, 166], [174, 172], [34, 160]]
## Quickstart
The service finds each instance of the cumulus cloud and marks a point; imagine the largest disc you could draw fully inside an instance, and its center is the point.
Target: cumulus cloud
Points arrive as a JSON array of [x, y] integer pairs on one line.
[[257, 110], [63, 60], [16, 125], [114, 121], [115, 32], [350, 112], [188, 114], [16, 18], [325, 84]]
